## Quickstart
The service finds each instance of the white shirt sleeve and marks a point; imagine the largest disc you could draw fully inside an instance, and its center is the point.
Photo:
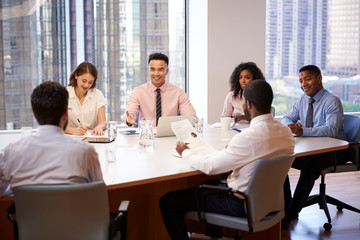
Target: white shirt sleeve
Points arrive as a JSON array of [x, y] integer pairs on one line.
[[238, 153]]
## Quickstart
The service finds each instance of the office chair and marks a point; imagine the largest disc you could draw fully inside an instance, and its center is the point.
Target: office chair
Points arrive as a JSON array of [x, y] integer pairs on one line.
[[264, 198], [69, 211], [352, 133]]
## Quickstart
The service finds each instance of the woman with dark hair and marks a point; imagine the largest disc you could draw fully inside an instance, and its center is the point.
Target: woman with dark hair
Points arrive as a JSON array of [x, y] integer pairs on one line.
[[242, 75], [87, 103]]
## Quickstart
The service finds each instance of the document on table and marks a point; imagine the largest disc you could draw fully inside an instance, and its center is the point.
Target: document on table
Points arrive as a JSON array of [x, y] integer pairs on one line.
[[87, 134], [185, 132]]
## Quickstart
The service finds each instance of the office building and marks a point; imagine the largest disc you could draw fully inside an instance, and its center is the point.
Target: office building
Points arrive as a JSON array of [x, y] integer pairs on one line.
[[32, 50], [46, 40], [343, 55], [295, 36]]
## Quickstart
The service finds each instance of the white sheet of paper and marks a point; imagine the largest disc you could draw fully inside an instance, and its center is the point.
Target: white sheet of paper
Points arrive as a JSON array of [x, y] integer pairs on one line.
[[185, 132]]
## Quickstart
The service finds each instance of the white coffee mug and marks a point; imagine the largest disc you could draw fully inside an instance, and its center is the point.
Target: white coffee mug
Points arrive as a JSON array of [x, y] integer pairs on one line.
[[225, 123]]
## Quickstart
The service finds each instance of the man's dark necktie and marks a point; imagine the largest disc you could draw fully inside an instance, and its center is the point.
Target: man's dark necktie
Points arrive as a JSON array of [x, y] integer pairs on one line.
[[310, 112], [158, 105]]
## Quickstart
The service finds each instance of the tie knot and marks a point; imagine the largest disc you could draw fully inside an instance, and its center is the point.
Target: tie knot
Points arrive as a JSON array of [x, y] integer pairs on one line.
[[158, 90], [311, 100]]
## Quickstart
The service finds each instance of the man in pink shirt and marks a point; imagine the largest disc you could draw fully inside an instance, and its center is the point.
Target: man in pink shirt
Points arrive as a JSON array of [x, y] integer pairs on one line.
[[143, 99]]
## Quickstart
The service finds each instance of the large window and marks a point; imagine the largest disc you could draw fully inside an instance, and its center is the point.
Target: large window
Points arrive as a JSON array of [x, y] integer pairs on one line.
[[320, 32], [46, 40]]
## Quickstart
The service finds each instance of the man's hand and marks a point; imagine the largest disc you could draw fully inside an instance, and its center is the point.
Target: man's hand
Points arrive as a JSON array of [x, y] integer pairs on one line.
[[129, 120], [296, 128], [180, 147]]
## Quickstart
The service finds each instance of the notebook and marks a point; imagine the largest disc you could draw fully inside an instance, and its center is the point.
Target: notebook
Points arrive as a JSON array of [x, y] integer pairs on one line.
[[164, 124]]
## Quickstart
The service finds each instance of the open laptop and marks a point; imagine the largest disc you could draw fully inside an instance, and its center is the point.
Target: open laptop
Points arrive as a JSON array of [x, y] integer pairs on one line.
[[164, 125]]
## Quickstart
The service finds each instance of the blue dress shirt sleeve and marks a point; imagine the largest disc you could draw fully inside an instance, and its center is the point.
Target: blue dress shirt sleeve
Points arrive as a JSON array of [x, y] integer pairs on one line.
[[328, 120], [293, 115]]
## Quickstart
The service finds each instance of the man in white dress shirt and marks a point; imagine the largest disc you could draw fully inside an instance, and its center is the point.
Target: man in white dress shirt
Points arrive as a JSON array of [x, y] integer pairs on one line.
[[49, 156], [265, 138]]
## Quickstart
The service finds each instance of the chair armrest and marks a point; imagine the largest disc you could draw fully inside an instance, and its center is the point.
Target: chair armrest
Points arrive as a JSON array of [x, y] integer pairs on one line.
[[120, 220], [124, 206], [122, 210], [215, 188], [351, 144], [222, 189], [11, 212]]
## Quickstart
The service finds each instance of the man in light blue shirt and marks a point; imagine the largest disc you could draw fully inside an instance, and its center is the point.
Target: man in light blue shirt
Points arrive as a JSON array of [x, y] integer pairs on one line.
[[326, 120]]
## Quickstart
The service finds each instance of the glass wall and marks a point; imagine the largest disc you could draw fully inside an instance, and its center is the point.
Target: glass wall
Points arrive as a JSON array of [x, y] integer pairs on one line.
[[46, 40], [319, 32]]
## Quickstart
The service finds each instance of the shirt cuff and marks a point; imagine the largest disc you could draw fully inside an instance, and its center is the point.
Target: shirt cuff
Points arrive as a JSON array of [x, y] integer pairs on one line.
[[306, 132], [186, 153]]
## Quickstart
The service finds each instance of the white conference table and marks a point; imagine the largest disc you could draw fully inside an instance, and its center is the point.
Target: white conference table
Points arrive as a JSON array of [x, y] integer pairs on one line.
[[144, 176], [134, 165]]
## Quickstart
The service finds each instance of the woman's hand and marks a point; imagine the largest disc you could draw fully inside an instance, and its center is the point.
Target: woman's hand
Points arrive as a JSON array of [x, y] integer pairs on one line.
[[98, 130], [80, 130]]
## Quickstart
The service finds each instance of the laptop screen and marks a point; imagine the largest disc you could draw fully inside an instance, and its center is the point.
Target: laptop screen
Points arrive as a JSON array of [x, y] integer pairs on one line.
[[164, 124]]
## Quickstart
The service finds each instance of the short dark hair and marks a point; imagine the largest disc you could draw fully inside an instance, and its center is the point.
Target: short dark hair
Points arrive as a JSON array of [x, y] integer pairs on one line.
[[234, 78], [159, 56], [49, 101], [84, 67], [259, 93], [312, 69]]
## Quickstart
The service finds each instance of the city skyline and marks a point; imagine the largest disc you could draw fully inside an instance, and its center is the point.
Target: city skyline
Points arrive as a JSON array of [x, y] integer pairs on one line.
[[324, 33], [50, 38]]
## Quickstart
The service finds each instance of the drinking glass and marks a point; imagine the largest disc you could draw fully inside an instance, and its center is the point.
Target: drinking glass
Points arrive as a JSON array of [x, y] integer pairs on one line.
[[199, 125], [110, 153], [111, 128]]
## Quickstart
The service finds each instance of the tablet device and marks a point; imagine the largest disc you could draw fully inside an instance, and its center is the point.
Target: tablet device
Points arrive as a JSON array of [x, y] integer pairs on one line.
[[164, 125], [98, 139]]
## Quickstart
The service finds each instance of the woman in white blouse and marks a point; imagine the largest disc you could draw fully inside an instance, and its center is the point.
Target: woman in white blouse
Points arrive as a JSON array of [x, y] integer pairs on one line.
[[242, 75], [86, 102]]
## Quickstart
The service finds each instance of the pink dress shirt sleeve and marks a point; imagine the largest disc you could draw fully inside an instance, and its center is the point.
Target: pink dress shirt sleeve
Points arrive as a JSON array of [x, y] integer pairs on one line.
[[185, 106], [228, 107], [232, 106]]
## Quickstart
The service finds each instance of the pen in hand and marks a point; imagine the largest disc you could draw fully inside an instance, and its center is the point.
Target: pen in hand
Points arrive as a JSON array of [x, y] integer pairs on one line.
[[84, 129]]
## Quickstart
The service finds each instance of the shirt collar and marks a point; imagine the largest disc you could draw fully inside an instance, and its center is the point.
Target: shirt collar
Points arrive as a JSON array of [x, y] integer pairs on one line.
[[48, 130], [318, 95], [153, 87], [261, 118], [72, 93]]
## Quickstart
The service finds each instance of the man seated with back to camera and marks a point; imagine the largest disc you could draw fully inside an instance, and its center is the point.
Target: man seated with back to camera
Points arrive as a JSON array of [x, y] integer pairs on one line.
[[326, 120], [49, 156], [265, 138]]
